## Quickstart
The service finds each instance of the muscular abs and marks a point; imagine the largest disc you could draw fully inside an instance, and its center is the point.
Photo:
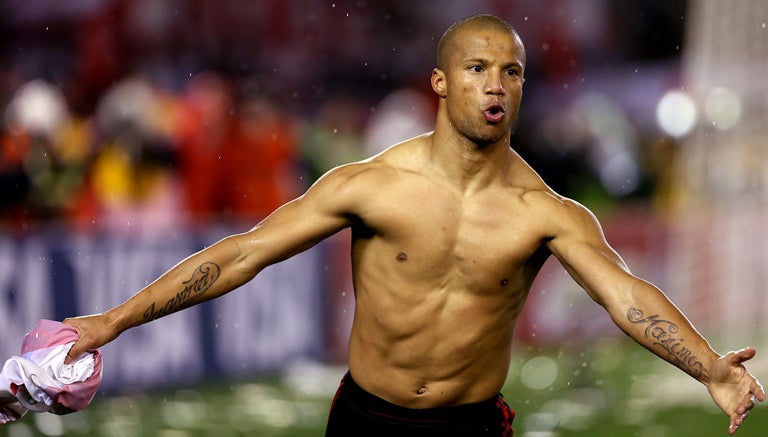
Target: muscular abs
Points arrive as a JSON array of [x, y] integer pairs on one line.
[[439, 281]]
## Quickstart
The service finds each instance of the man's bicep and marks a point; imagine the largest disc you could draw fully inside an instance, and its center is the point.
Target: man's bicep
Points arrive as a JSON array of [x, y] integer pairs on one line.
[[581, 247], [301, 223]]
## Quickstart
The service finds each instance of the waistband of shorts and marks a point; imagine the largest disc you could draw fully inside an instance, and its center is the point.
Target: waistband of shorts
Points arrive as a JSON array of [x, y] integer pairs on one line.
[[372, 404]]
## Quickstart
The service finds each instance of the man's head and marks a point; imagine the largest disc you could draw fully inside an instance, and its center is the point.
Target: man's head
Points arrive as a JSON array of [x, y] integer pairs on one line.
[[479, 78], [446, 45]]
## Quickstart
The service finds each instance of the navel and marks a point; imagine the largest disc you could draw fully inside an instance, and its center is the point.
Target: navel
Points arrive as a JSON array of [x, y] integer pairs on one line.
[[421, 390], [402, 257]]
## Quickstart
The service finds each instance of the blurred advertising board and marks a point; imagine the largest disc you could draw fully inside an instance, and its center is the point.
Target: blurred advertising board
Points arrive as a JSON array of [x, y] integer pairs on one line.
[[53, 274]]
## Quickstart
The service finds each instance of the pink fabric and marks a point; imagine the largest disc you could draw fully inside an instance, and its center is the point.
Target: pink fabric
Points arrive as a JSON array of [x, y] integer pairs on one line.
[[41, 382], [47, 333]]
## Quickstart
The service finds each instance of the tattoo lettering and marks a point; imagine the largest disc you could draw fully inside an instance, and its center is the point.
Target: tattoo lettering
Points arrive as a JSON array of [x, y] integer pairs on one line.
[[200, 282], [662, 332]]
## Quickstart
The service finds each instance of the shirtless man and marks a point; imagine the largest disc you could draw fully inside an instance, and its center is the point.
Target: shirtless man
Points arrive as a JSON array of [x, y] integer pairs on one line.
[[449, 230]]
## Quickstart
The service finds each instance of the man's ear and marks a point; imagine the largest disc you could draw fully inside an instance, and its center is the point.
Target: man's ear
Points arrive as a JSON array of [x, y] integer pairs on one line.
[[439, 85]]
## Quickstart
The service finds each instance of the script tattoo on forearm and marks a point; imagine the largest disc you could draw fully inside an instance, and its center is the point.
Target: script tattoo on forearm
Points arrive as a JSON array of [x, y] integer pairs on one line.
[[201, 281], [663, 334]]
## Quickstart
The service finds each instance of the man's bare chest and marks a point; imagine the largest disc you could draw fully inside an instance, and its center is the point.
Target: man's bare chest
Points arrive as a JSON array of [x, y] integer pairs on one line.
[[435, 235]]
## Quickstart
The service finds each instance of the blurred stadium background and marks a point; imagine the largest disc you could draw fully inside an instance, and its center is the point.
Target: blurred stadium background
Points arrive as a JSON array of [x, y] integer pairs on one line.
[[137, 131]]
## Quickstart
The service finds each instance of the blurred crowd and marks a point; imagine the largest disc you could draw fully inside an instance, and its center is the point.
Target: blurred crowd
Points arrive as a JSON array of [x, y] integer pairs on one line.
[[125, 115], [146, 153]]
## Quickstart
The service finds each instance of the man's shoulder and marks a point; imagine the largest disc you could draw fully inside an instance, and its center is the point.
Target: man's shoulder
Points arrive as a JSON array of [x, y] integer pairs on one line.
[[384, 165], [548, 202], [559, 215], [361, 178], [534, 190], [368, 171]]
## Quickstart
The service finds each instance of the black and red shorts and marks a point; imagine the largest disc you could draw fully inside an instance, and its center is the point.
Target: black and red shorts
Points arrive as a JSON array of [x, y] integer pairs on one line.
[[355, 412]]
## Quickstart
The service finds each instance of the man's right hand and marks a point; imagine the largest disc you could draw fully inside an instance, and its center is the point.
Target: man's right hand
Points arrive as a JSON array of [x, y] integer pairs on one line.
[[94, 330]]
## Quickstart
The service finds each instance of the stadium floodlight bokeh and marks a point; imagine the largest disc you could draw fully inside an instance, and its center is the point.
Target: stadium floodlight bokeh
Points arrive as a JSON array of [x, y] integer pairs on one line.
[[676, 114], [723, 108]]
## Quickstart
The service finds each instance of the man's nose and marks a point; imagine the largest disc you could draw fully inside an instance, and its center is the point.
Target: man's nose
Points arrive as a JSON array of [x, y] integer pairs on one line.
[[493, 84]]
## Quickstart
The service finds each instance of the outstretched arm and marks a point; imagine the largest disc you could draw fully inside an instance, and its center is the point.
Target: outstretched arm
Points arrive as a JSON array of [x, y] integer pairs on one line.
[[646, 314], [322, 211]]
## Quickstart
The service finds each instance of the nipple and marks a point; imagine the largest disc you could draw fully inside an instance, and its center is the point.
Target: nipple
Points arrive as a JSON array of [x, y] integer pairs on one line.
[[402, 257], [504, 282]]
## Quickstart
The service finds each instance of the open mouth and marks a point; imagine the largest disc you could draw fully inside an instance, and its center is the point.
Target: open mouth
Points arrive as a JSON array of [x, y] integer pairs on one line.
[[494, 113]]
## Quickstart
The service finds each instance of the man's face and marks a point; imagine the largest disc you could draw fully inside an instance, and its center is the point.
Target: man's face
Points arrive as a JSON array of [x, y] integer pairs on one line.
[[484, 83]]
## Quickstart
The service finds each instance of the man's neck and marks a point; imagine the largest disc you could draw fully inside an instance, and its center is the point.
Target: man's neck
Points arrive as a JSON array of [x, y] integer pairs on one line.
[[470, 165]]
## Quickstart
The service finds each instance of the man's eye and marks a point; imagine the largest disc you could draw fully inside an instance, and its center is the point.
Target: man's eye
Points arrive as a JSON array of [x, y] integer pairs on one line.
[[513, 72], [476, 68]]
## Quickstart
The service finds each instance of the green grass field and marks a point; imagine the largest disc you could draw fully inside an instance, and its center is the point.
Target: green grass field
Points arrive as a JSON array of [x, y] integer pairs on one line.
[[611, 388]]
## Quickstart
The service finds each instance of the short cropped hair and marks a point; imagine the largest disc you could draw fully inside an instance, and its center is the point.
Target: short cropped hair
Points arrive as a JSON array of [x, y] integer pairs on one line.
[[484, 20]]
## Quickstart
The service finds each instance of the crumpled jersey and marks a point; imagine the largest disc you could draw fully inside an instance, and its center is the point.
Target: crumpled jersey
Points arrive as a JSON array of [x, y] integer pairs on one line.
[[39, 381]]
